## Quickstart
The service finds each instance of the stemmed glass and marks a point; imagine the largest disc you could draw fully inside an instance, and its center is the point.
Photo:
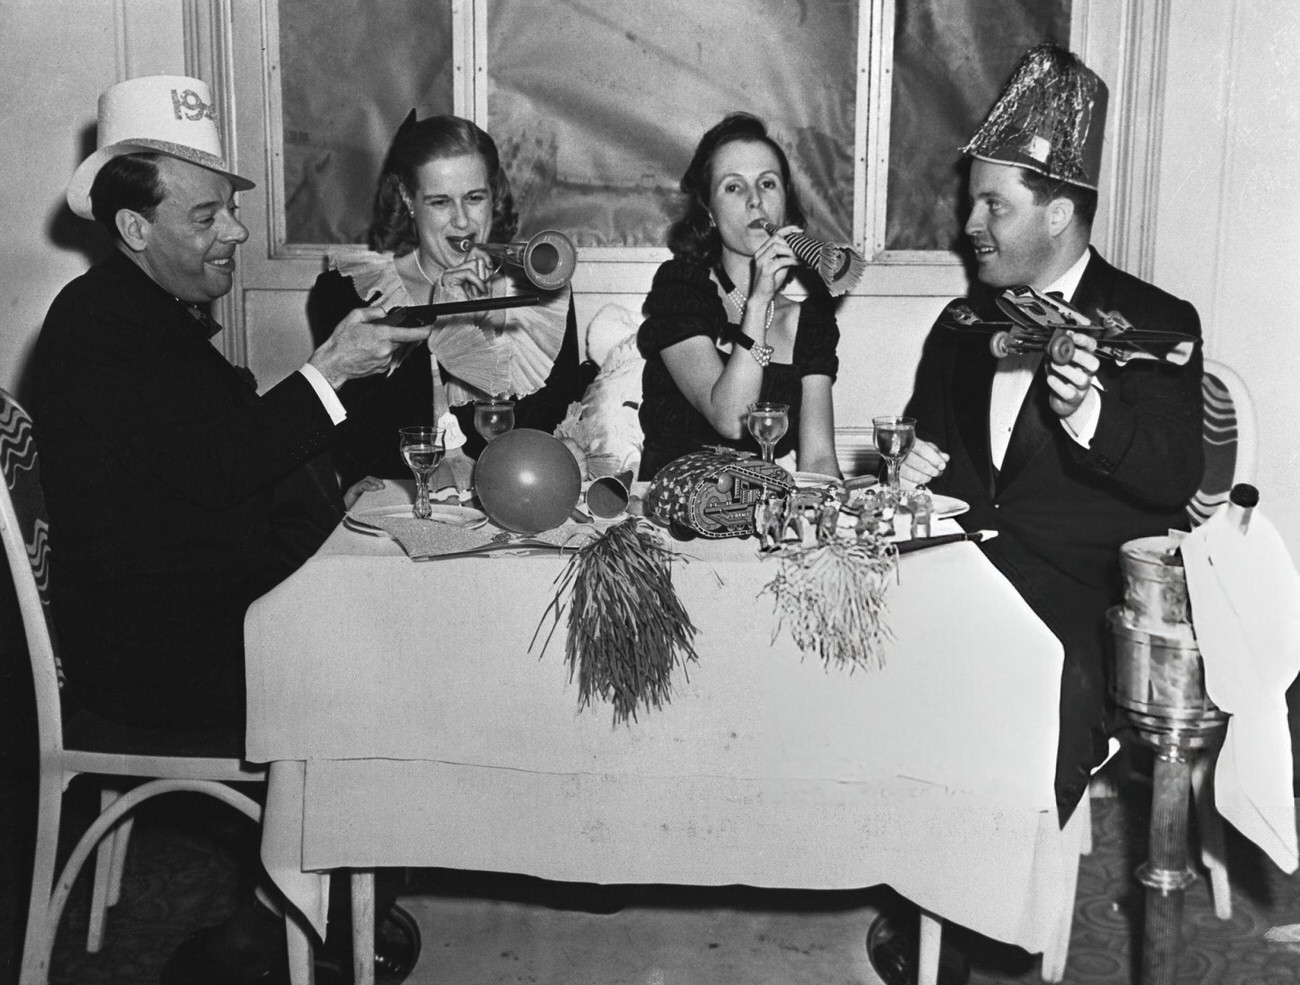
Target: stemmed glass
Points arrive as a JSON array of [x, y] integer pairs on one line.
[[493, 418], [768, 424], [422, 450], [894, 439]]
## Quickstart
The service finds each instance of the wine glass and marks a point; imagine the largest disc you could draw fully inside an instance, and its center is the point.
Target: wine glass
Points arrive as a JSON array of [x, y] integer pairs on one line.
[[768, 424], [422, 450], [894, 439], [493, 417]]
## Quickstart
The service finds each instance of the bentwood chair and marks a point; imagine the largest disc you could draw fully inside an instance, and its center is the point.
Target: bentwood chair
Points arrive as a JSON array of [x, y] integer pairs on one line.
[[71, 742]]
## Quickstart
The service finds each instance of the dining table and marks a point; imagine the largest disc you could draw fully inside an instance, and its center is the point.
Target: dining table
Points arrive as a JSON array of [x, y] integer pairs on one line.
[[422, 713]]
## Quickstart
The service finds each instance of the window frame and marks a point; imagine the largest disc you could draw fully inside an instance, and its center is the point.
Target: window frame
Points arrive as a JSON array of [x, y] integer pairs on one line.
[[873, 73], [236, 44]]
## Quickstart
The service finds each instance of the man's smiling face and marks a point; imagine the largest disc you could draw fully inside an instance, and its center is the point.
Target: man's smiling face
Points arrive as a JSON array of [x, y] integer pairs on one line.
[[189, 245], [1009, 231]]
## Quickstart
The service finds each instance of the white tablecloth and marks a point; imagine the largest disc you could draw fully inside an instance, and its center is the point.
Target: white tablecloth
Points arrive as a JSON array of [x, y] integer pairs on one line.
[[408, 723]]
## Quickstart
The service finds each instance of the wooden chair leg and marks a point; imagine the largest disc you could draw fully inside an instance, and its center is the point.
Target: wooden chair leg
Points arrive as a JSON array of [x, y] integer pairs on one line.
[[363, 926], [1210, 825], [121, 842], [927, 969], [39, 939], [101, 893]]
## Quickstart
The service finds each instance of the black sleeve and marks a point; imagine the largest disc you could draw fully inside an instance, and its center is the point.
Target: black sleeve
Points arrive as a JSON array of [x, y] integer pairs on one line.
[[818, 337], [682, 303]]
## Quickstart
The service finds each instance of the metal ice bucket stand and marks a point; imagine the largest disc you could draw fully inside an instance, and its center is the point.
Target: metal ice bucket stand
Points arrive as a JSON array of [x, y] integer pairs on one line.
[[1159, 682]]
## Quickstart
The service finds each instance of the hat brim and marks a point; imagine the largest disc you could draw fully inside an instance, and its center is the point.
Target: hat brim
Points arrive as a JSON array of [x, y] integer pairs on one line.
[[83, 178]]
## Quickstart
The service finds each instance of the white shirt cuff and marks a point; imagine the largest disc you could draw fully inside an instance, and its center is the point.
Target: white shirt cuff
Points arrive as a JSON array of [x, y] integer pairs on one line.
[[330, 399], [453, 436], [1082, 424]]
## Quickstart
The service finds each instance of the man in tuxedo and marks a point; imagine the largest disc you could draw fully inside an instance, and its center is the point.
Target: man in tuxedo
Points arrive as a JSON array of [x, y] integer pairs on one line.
[[176, 493], [1065, 462]]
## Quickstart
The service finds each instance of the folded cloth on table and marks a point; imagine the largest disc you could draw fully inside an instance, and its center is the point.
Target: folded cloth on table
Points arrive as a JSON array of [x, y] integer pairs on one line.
[[1245, 599], [430, 539]]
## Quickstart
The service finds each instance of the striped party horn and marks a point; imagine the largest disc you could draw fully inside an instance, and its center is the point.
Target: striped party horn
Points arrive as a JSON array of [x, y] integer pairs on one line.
[[841, 267]]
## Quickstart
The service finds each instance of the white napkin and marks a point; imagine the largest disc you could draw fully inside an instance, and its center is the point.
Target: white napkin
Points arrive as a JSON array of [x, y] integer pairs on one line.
[[1245, 597]]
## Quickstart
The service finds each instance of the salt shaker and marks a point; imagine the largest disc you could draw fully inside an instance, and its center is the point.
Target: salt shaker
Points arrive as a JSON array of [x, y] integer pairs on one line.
[[921, 505]]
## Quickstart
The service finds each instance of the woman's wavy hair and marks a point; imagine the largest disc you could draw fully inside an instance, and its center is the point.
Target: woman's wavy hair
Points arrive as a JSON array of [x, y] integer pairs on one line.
[[694, 236], [416, 143]]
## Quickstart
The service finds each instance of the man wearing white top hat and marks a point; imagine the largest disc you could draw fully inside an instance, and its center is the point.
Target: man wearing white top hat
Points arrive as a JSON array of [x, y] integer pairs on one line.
[[176, 493], [1066, 462]]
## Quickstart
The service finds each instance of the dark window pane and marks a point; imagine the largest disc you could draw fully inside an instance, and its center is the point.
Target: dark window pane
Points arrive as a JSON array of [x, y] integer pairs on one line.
[[350, 72], [597, 106], [951, 58]]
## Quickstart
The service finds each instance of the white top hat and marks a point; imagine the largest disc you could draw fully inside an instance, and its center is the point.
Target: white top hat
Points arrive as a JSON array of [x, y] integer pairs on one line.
[[163, 114]]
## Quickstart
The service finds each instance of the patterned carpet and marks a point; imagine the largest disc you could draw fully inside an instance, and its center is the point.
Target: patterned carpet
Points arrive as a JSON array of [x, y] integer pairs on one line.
[[183, 873]]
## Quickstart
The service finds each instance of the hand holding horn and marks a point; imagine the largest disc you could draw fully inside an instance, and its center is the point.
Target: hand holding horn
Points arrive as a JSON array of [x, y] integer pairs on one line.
[[841, 267]]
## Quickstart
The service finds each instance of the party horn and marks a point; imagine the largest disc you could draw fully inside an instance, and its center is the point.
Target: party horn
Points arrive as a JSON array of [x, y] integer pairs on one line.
[[841, 267], [608, 496]]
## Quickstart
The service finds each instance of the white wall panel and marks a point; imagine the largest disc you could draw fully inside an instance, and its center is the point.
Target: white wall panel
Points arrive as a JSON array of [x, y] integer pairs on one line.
[[1228, 237]]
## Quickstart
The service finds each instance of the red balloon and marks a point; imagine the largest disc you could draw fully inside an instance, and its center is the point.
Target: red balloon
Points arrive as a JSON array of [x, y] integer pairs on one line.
[[527, 481]]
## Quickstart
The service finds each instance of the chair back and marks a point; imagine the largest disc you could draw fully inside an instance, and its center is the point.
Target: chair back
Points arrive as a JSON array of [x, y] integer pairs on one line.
[[24, 528], [1229, 435]]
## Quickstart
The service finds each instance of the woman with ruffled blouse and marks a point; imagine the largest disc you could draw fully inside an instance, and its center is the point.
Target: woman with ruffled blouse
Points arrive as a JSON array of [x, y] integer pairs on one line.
[[443, 183], [718, 333]]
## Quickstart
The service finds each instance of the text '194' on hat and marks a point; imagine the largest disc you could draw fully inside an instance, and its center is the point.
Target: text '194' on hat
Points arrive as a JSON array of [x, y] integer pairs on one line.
[[162, 114], [1050, 118]]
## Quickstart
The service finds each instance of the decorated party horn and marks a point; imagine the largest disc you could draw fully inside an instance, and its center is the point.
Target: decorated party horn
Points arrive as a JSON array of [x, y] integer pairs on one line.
[[841, 267]]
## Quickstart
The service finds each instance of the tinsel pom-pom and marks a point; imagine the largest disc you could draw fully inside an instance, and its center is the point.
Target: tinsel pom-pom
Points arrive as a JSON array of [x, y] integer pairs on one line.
[[627, 629], [832, 596]]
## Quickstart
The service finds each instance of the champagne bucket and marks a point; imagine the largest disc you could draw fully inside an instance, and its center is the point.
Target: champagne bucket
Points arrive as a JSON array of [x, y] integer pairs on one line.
[[1155, 586], [1158, 677]]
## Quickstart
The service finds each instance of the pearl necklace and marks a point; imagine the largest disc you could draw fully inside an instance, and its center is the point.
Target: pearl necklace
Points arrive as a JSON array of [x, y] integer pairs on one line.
[[420, 267], [734, 294]]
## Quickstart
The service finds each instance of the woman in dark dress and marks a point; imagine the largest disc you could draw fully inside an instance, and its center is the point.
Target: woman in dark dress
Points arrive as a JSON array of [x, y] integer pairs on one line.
[[719, 334], [443, 183]]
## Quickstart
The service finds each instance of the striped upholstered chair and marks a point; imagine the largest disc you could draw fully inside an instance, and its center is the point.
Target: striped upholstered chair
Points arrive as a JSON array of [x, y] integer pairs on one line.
[[72, 743], [1229, 438]]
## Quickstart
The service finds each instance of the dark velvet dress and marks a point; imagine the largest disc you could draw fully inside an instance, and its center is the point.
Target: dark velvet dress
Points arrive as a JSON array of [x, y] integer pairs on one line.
[[377, 405], [683, 302]]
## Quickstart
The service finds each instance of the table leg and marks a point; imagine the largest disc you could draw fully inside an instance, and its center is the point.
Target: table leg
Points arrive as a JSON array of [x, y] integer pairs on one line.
[[363, 926], [1165, 873]]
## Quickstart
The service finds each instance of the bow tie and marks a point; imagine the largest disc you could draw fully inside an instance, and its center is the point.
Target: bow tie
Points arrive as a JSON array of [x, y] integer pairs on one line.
[[210, 325]]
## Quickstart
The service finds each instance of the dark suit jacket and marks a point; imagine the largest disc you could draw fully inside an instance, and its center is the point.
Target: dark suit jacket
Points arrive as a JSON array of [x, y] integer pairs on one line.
[[176, 497], [1062, 511]]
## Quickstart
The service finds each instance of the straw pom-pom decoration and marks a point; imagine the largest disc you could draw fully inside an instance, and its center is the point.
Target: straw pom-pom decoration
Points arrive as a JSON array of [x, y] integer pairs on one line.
[[627, 629], [832, 596]]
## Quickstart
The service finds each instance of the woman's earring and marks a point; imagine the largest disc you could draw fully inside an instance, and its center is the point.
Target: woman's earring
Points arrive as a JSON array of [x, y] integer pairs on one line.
[[712, 224]]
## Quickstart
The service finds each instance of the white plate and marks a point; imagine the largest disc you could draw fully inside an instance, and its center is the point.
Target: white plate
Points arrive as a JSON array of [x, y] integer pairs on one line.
[[806, 480], [946, 506], [456, 516]]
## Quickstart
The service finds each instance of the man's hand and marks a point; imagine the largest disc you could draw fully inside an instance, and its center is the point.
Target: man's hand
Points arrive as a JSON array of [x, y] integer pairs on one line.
[[924, 463], [354, 491], [361, 347], [1070, 383]]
